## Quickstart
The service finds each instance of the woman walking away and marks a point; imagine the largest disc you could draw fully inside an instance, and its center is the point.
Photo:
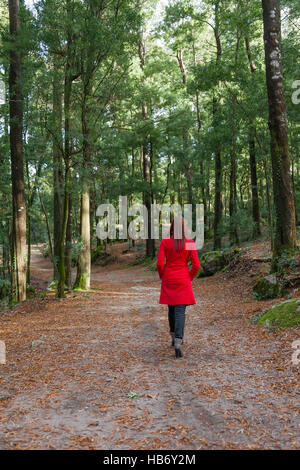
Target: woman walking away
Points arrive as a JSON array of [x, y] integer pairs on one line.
[[176, 278]]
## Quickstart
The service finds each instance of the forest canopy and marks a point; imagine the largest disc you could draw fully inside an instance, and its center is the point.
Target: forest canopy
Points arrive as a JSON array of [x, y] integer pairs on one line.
[[176, 101]]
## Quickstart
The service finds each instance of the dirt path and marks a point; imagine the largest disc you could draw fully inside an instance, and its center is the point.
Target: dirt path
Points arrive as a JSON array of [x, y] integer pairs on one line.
[[95, 370]]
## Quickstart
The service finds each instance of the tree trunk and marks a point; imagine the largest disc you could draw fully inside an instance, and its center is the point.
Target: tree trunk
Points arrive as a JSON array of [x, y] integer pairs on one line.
[[68, 245], [47, 225], [233, 233], [218, 160], [84, 261], [252, 154], [234, 238], [188, 169], [294, 184], [67, 156], [202, 173], [57, 166], [147, 193], [147, 198], [187, 164], [152, 163], [218, 201], [30, 199], [28, 242], [268, 192], [17, 170], [62, 237], [285, 228], [254, 187], [208, 198]]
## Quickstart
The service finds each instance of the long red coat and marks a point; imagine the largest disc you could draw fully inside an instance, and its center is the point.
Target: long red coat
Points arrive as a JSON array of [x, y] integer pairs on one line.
[[176, 277]]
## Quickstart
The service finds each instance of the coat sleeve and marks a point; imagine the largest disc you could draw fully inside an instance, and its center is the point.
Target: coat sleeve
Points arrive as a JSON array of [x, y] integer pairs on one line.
[[194, 259], [160, 265]]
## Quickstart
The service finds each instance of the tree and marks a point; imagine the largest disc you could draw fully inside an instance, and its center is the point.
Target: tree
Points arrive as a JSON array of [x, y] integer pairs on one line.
[[252, 154], [57, 162], [285, 228], [17, 170], [218, 159], [146, 156]]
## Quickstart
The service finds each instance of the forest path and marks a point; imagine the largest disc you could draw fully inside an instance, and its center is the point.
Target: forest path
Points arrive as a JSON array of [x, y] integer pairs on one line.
[[95, 370]]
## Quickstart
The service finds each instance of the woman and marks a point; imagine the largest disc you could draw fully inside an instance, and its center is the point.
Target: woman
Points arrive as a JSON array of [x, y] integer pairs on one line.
[[176, 285]]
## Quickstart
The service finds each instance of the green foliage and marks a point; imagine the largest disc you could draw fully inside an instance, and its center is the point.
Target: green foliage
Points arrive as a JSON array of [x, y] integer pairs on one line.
[[30, 292], [76, 248], [45, 249], [132, 395], [192, 103], [143, 260], [153, 267], [5, 287], [96, 252], [286, 262]]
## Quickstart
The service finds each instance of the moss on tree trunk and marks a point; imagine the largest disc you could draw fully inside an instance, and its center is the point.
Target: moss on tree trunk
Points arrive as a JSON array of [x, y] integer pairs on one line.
[[285, 227]]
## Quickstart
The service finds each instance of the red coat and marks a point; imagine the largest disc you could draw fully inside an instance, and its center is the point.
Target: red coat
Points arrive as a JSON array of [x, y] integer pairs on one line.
[[176, 277]]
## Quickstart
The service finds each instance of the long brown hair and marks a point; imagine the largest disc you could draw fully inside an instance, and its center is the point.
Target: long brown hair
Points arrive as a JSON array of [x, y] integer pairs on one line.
[[177, 232]]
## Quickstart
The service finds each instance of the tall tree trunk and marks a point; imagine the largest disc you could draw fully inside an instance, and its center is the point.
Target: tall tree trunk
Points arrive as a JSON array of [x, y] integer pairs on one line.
[[67, 157], [208, 197], [30, 200], [147, 196], [29, 206], [84, 261], [268, 191], [147, 193], [68, 245], [6, 244], [69, 76], [218, 201], [57, 165], [47, 225], [296, 158], [285, 227], [234, 238], [218, 160], [62, 237], [254, 187], [188, 169], [151, 168], [202, 172], [17, 170], [188, 166], [253, 170]]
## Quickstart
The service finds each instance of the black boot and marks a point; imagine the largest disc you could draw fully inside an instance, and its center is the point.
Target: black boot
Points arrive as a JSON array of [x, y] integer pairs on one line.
[[178, 347], [172, 337]]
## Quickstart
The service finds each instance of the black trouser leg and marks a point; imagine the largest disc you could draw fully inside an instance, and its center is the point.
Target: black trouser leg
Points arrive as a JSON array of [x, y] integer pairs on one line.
[[171, 315], [179, 320]]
